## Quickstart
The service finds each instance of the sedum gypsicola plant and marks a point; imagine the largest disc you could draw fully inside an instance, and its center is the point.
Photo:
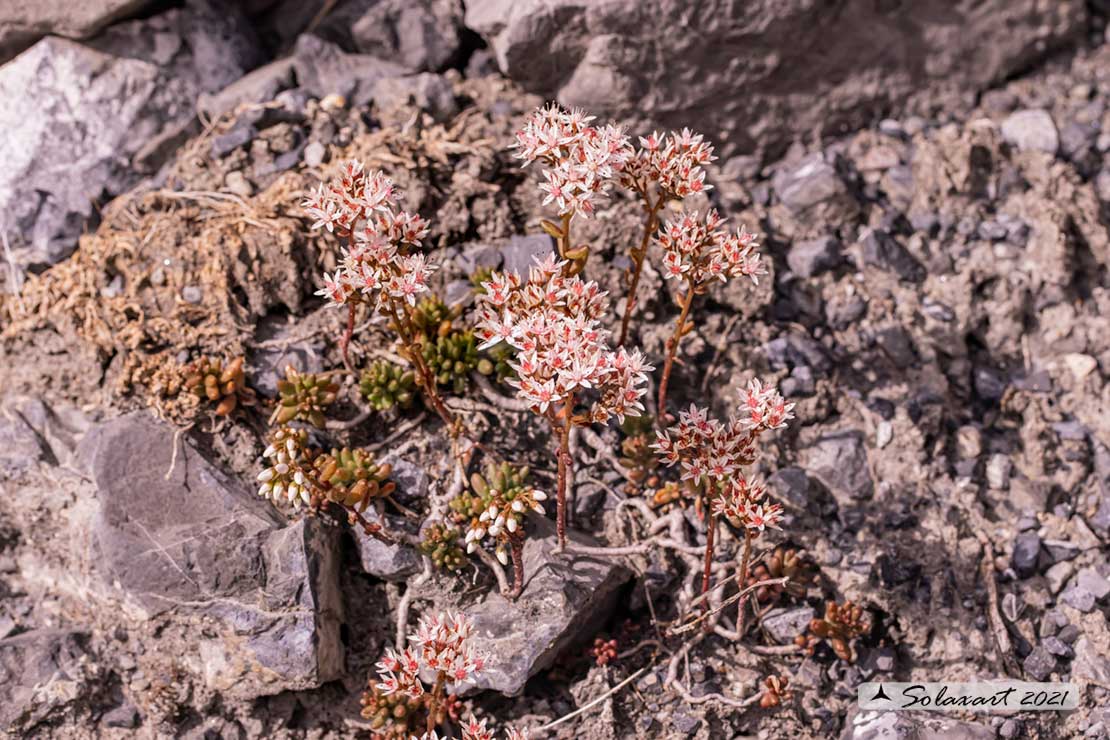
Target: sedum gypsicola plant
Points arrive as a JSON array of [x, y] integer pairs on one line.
[[663, 168], [579, 164], [565, 369], [698, 253], [712, 456], [381, 265]]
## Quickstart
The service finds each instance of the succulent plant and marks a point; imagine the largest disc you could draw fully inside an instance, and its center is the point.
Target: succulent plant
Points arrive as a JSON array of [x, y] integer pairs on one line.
[[841, 624], [783, 562], [299, 475], [304, 396], [395, 716], [495, 361], [385, 385], [351, 477], [496, 506], [441, 544], [637, 455], [776, 690], [451, 358], [480, 275], [433, 318], [225, 386]]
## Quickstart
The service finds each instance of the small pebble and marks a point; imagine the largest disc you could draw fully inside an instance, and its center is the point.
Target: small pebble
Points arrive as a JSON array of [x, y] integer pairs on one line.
[[314, 154], [191, 294], [237, 183]]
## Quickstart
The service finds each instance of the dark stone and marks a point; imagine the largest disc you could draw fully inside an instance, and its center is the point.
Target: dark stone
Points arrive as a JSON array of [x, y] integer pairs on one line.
[[795, 350], [238, 136], [188, 540], [989, 383], [815, 256], [125, 716], [882, 251], [1039, 664], [1027, 551], [1056, 646], [897, 345], [896, 571]]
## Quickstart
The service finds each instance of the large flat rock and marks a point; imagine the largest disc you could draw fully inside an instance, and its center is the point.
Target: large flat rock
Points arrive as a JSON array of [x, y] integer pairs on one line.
[[183, 539], [565, 599]]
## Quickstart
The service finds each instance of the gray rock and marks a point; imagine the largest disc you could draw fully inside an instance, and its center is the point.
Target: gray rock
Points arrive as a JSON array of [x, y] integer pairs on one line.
[[323, 69], [95, 111], [1039, 664], [792, 485], [195, 543], [800, 383], [839, 461], [520, 253], [725, 69], [268, 363], [785, 624], [1058, 575], [390, 562], [809, 258], [225, 144], [314, 154], [429, 92], [565, 599], [41, 673], [796, 350], [809, 183], [125, 716], [1079, 598], [420, 35], [882, 251], [1031, 129], [896, 344], [1090, 663], [23, 23], [20, 449], [1057, 647], [258, 86], [1094, 582], [1027, 551]]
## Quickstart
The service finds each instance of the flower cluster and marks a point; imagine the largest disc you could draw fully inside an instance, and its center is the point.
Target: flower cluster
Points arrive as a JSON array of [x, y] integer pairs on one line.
[[501, 499], [581, 160], [553, 321], [714, 452], [284, 481], [441, 646], [701, 251], [378, 262], [475, 730], [674, 164]]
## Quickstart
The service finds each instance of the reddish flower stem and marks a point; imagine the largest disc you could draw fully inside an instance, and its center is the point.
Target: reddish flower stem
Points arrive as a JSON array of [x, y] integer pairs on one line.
[[516, 548], [638, 256], [565, 464], [742, 580], [707, 571], [345, 342], [672, 349], [435, 700]]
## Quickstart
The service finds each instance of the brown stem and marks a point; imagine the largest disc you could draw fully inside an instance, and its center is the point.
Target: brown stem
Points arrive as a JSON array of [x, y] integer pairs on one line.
[[638, 263], [516, 548], [708, 569], [565, 463], [407, 333], [672, 349], [372, 529], [345, 342], [742, 577], [435, 700], [564, 246]]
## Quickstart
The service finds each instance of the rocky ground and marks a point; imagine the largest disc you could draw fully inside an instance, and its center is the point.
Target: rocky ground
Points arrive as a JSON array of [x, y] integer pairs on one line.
[[937, 308]]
